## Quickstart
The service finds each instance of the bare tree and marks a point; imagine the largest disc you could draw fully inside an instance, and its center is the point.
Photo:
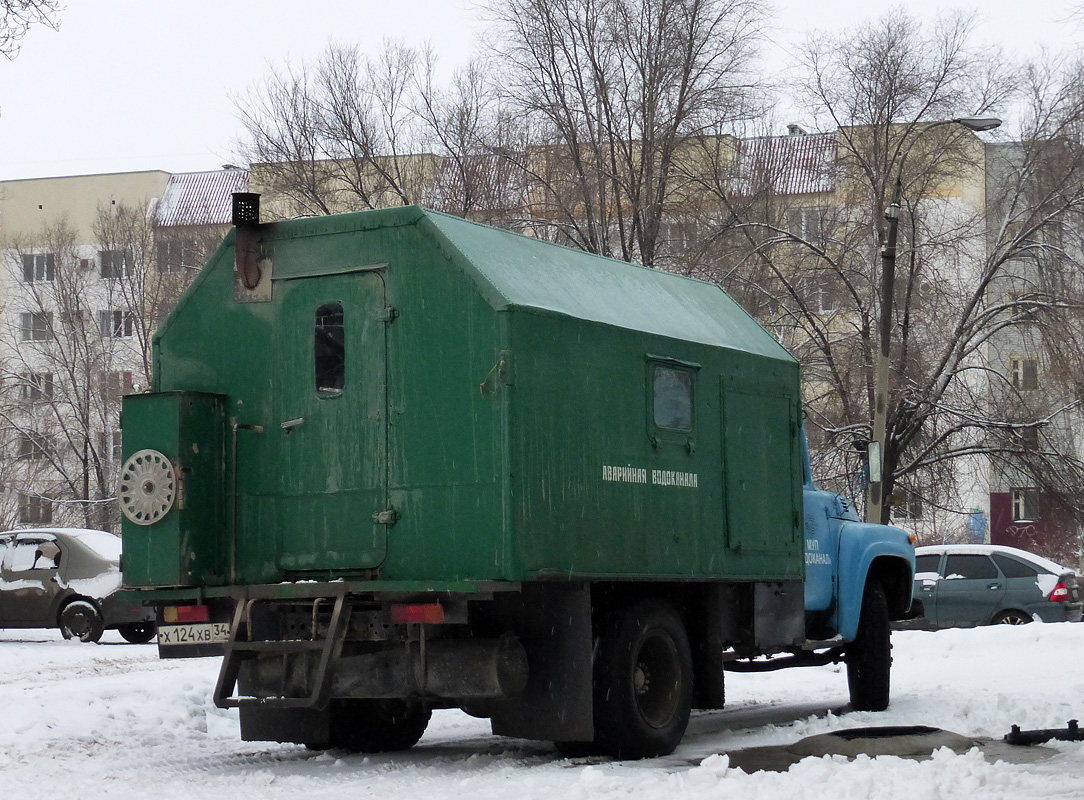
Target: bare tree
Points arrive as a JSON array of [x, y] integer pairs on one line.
[[970, 218], [145, 267], [60, 376], [19, 16], [340, 134], [615, 92], [352, 131]]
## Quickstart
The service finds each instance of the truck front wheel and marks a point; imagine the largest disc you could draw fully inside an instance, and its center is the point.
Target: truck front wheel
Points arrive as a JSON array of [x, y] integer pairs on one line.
[[643, 682], [869, 657], [375, 726]]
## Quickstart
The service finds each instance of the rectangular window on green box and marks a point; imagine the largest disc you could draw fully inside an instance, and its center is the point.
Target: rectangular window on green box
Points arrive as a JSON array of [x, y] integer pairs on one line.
[[672, 392]]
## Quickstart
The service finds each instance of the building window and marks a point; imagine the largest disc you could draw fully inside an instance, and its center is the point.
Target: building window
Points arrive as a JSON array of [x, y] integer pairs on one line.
[[815, 289], [109, 446], [672, 389], [907, 505], [37, 326], [35, 509], [115, 264], [39, 267], [1022, 305], [330, 350], [33, 445], [176, 254], [115, 384], [1027, 439], [1025, 373], [117, 324], [37, 386], [805, 224], [1025, 505]]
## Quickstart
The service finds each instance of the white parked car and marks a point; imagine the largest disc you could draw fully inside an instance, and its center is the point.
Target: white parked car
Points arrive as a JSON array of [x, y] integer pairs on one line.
[[66, 578]]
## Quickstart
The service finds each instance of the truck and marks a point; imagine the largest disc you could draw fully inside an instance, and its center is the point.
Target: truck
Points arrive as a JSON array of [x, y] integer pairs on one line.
[[395, 461]]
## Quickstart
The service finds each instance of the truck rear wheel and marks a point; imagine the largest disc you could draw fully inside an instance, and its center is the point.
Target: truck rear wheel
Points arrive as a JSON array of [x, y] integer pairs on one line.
[[374, 726], [643, 682], [869, 657]]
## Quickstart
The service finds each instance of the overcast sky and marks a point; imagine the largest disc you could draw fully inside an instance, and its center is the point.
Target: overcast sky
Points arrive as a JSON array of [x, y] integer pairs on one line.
[[147, 84]]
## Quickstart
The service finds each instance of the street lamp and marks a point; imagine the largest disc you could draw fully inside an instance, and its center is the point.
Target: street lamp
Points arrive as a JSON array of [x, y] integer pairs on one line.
[[877, 447]]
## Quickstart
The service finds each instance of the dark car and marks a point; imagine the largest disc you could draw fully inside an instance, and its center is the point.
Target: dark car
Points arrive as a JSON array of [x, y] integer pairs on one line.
[[966, 585], [66, 578]]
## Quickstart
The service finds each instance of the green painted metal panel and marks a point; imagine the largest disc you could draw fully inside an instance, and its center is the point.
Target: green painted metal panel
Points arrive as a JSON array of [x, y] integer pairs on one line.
[[329, 447], [189, 545], [505, 409], [523, 271], [759, 464]]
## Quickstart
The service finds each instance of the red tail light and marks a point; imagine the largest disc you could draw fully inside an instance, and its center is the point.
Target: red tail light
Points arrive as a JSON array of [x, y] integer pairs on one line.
[[186, 614], [1060, 593], [420, 612]]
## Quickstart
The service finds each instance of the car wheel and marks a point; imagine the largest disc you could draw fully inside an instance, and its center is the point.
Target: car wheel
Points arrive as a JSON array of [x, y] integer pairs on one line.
[[643, 682], [137, 632], [869, 657], [81, 620], [1012, 617]]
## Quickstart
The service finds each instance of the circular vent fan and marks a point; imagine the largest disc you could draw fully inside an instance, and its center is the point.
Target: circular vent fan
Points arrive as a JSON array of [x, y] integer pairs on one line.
[[147, 487]]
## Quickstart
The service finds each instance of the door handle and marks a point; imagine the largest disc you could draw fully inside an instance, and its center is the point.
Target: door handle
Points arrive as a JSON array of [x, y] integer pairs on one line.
[[994, 586], [289, 424]]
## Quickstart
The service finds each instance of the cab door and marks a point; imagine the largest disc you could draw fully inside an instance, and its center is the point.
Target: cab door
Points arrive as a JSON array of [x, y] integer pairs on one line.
[[330, 400]]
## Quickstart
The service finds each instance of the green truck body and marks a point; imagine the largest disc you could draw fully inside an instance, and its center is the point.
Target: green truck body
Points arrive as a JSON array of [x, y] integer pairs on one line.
[[399, 409]]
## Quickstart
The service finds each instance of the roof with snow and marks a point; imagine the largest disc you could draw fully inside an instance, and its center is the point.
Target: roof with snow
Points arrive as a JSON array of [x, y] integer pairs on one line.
[[798, 163], [200, 198]]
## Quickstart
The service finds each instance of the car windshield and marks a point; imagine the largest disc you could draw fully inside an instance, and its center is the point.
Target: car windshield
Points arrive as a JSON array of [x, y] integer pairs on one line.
[[104, 544]]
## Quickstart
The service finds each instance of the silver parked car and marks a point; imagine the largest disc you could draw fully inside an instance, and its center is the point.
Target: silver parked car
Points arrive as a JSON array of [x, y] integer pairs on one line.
[[967, 585], [66, 578]]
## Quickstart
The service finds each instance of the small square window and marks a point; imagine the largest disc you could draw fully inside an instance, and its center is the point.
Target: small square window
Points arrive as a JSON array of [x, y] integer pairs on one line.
[[672, 406], [1025, 373], [39, 267], [1025, 505], [37, 386], [37, 510], [115, 264], [37, 326], [116, 324]]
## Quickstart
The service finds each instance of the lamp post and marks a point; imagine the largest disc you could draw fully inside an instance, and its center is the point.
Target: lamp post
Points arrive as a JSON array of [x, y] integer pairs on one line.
[[877, 447]]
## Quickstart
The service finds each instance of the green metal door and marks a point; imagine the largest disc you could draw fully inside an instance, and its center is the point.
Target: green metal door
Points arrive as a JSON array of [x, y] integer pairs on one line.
[[331, 407]]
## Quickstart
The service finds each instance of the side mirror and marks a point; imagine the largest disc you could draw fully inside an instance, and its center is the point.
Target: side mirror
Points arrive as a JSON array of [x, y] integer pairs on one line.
[[874, 455]]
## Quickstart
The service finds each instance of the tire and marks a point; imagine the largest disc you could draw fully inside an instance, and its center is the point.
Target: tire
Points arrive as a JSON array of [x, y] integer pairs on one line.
[[1012, 617], [137, 632], [80, 619], [869, 657], [643, 682], [374, 726]]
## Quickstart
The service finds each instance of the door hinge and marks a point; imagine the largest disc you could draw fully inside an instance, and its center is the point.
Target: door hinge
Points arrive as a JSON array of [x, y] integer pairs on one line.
[[388, 516], [388, 314]]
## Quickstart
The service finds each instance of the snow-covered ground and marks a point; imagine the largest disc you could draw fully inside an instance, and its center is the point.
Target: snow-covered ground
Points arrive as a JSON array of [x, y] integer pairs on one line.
[[111, 720]]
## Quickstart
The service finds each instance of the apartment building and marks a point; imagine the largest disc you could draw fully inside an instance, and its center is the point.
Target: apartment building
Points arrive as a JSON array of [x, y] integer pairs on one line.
[[89, 265]]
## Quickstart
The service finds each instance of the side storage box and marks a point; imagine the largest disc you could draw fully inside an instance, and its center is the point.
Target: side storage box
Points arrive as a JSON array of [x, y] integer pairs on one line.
[[172, 490]]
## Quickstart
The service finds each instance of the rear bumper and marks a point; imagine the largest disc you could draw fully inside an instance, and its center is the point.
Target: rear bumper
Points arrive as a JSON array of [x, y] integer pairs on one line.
[[1058, 612], [121, 610]]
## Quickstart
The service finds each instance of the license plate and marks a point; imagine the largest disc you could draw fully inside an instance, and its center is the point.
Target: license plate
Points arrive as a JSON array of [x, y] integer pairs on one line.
[[194, 633]]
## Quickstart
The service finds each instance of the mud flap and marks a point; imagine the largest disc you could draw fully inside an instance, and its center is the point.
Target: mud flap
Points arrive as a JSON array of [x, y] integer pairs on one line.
[[554, 623]]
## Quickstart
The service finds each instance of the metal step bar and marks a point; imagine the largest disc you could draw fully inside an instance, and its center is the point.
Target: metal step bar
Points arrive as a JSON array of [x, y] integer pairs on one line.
[[241, 648]]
